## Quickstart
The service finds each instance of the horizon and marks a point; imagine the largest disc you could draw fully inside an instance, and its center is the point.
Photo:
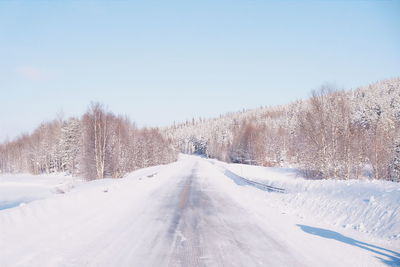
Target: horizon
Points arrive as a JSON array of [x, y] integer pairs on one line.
[[160, 63]]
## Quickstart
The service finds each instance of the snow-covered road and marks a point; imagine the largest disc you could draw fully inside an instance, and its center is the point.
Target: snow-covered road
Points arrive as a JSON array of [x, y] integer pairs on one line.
[[188, 213], [207, 228]]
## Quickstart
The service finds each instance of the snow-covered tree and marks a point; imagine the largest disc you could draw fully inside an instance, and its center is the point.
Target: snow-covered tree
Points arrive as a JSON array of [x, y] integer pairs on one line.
[[70, 144]]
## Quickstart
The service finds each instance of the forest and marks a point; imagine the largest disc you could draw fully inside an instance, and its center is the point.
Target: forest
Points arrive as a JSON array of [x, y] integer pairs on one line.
[[334, 134], [97, 145]]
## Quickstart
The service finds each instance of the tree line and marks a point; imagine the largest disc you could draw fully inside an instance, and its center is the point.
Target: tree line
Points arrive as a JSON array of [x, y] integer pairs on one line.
[[333, 134], [99, 144]]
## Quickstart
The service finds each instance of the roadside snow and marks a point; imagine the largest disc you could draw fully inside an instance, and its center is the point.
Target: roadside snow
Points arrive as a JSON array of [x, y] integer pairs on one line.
[[367, 206], [58, 228], [308, 234]]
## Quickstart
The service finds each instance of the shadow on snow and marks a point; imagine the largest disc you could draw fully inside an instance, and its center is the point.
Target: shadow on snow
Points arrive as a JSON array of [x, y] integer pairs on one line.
[[9, 205], [393, 258]]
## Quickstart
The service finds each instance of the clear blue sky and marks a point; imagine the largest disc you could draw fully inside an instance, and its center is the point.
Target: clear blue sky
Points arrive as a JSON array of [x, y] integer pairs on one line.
[[165, 61]]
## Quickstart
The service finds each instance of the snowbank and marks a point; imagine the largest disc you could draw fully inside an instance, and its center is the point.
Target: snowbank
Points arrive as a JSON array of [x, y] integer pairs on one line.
[[367, 206]]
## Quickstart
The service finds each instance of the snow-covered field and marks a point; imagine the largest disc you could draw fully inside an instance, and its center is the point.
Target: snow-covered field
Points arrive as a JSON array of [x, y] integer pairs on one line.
[[198, 212], [20, 189]]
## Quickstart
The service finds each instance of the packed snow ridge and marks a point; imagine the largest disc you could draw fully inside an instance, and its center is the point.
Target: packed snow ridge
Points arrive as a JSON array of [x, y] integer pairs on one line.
[[198, 212]]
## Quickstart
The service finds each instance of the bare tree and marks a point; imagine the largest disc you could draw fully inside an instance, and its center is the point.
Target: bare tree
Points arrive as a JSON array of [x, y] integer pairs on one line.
[[96, 136]]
